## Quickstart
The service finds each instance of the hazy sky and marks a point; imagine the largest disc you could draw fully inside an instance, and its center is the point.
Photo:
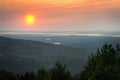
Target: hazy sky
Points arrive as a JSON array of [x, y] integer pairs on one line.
[[60, 15]]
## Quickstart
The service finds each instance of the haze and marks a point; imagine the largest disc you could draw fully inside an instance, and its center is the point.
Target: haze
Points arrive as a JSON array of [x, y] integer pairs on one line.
[[60, 15]]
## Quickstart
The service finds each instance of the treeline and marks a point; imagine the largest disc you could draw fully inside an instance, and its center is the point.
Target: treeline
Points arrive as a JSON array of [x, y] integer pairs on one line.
[[102, 65]]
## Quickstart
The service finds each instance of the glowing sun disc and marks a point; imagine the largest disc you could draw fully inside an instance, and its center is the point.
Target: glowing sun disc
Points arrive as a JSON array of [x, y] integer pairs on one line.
[[30, 19]]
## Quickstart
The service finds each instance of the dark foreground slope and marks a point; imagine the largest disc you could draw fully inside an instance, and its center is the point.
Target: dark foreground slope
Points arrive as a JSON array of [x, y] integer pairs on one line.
[[24, 55], [102, 65]]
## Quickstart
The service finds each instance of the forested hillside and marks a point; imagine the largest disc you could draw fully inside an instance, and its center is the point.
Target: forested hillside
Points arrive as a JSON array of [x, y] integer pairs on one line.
[[102, 65], [20, 56]]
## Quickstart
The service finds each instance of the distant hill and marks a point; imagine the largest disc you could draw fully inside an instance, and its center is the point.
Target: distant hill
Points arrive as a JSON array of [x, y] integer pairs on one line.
[[87, 43], [24, 55]]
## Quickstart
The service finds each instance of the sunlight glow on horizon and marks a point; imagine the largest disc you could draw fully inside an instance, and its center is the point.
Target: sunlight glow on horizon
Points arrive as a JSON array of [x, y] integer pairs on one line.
[[52, 15]]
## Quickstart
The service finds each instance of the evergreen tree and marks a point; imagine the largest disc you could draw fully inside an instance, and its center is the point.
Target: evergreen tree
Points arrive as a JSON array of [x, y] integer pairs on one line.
[[42, 74], [104, 65], [60, 72], [28, 76], [4, 75]]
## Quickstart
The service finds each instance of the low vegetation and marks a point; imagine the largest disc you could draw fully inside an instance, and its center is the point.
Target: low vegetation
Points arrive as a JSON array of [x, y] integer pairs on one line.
[[102, 65]]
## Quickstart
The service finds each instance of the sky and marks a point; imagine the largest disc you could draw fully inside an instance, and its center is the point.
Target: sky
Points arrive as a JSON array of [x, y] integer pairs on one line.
[[60, 15]]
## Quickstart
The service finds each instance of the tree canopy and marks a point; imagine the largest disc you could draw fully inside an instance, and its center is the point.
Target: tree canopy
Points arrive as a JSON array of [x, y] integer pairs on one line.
[[104, 65]]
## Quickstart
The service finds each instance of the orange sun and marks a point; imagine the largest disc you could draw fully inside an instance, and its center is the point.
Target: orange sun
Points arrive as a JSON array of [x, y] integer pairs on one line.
[[30, 19]]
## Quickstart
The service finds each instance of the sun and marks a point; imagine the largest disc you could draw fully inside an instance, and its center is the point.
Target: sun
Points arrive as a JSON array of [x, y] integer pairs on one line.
[[30, 19]]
